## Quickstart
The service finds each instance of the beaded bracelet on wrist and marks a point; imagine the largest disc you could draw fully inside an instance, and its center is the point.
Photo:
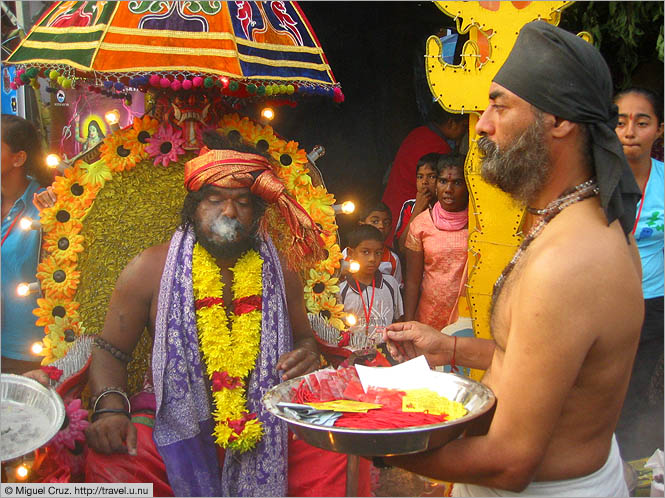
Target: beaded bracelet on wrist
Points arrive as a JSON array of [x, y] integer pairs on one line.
[[107, 346]]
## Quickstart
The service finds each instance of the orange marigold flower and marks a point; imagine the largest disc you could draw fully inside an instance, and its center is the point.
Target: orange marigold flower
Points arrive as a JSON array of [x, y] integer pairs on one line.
[[49, 308], [58, 279]]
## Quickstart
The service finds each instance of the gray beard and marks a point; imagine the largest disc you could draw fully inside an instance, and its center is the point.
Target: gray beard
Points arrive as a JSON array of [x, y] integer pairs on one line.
[[230, 238], [522, 168]]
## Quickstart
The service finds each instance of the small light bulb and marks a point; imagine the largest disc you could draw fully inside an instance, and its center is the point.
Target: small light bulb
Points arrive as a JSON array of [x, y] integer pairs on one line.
[[354, 266], [21, 471], [52, 160], [348, 207], [25, 288], [112, 117], [267, 113], [351, 319], [25, 223], [37, 348]]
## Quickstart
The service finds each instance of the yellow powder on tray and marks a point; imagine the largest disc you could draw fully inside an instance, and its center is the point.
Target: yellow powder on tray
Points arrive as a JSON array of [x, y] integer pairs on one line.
[[427, 401]]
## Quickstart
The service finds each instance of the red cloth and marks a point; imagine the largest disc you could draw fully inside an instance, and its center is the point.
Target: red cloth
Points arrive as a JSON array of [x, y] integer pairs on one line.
[[146, 466], [315, 472], [402, 180], [312, 472]]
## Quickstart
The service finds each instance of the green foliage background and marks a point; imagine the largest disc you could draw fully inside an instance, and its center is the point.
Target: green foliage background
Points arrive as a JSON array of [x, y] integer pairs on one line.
[[626, 33]]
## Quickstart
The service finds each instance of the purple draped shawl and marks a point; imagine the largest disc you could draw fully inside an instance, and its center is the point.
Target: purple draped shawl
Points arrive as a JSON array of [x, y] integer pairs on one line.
[[183, 422]]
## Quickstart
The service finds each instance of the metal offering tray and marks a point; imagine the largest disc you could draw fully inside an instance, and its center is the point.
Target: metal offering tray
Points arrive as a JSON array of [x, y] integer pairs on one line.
[[477, 398], [30, 415]]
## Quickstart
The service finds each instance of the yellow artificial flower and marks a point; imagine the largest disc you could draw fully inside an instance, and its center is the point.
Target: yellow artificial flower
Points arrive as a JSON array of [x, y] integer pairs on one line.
[[64, 241], [333, 312], [289, 154], [233, 122], [63, 211], [49, 308], [117, 153], [97, 173], [319, 203], [137, 136], [55, 343], [332, 262], [317, 288], [265, 134], [58, 279]]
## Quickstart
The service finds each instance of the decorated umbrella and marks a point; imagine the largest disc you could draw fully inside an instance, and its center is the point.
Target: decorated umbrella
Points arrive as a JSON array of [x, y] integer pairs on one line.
[[241, 49]]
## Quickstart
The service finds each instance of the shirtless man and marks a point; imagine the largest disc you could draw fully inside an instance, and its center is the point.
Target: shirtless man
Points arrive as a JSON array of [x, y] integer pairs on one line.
[[567, 310], [228, 193]]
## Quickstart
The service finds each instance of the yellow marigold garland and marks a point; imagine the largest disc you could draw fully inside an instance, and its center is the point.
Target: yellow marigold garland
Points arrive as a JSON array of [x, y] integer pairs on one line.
[[229, 354]]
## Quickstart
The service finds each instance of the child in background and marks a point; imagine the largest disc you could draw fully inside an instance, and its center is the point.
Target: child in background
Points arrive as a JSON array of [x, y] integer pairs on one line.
[[426, 175], [379, 216], [370, 295]]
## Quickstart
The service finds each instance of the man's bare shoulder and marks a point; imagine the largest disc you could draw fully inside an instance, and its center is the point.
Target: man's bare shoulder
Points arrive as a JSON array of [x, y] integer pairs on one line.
[[145, 268], [581, 261]]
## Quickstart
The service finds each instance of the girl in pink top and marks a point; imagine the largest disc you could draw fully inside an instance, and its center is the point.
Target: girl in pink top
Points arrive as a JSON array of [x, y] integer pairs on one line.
[[436, 248]]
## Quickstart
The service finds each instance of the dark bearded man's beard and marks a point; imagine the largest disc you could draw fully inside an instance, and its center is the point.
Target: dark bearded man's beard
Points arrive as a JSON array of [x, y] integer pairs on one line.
[[228, 248], [520, 169]]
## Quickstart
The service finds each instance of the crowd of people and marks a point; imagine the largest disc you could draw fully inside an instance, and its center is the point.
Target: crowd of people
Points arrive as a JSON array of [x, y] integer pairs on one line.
[[576, 317]]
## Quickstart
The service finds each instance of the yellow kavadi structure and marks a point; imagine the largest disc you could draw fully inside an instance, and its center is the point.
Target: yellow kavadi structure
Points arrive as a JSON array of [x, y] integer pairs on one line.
[[495, 221]]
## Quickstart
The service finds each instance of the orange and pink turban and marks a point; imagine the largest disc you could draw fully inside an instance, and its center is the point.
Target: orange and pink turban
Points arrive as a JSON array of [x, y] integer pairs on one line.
[[232, 169]]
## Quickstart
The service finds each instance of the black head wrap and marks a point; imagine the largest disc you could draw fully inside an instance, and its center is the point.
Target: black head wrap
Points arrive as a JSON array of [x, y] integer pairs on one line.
[[561, 74]]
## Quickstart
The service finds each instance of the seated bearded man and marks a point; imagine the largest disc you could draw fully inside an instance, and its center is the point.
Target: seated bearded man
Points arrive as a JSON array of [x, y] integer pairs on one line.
[[228, 322]]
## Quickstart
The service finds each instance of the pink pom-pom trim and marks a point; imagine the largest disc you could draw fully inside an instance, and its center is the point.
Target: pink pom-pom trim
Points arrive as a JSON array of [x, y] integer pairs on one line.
[[187, 84], [197, 81], [154, 80], [176, 85], [165, 82]]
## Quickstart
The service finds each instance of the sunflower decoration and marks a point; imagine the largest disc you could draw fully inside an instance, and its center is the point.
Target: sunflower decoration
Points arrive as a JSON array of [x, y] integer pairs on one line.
[[64, 241], [235, 127], [166, 145], [62, 211], [50, 308], [59, 278], [263, 138], [70, 187], [332, 311], [318, 287], [137, 136], [332, 262], [116, 152], [60, 335]]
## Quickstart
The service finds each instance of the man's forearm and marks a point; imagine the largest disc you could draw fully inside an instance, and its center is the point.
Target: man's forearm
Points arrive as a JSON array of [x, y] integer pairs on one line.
[[474, 460], [473, 352], [106, 371]]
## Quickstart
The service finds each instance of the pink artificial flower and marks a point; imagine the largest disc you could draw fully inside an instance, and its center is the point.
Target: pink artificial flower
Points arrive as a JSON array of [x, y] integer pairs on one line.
[[65, 441], [166, 145]]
